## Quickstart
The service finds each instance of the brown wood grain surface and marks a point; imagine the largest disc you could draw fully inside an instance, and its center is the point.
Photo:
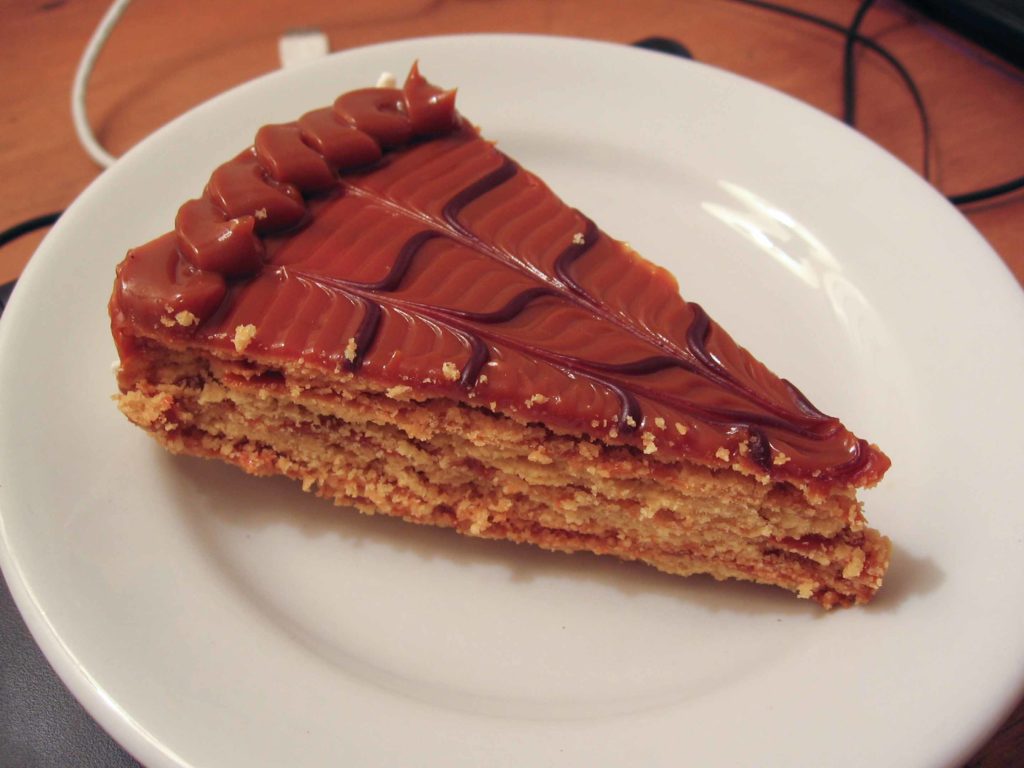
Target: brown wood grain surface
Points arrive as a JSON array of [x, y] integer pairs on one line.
[[168, 55]]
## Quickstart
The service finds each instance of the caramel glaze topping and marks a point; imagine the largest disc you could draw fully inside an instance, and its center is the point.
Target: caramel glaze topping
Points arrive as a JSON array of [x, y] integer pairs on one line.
[[385, 237]]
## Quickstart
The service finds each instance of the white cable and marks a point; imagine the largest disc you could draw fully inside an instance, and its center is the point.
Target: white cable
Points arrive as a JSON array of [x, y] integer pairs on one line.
[[85, 66], [295, 47]]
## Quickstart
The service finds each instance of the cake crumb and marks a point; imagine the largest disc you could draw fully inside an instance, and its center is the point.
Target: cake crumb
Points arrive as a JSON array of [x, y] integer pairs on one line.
[[386, 80], [243, 336], [631, 421], [648, 441], [186, 318], [659, 422], [399, 391], [351, 349], [449, 370], [578, 239], [613, 433], [537, 399], [723, 454], [779, 459], [855, 567], [166, 322], [539, 456], [494, 405], [589, 450], [480, 524], [482, 379], [594, 423], [681, 428], [744, 447], [260, 213]]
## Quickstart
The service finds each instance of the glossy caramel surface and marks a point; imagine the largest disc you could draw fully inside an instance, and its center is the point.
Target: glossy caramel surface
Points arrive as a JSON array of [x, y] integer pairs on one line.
[[385, 237]]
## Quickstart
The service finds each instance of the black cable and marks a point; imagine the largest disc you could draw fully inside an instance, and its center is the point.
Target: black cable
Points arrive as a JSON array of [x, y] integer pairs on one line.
[[850, 69], [881, 50], [849, 114], [853, 36], [987, 193], [13, 233]]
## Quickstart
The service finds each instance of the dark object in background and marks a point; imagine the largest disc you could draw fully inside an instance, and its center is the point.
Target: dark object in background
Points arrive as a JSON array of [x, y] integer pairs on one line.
[[5, 295], [664, 45], [994, 24], [13, 233]]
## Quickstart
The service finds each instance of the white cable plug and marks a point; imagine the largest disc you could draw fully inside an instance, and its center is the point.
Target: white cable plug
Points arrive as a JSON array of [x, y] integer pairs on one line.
[[297, 46], [85, 66]]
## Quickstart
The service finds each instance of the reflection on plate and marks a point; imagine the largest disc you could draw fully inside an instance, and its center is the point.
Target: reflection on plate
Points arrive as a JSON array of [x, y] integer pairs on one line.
[[209, 618]]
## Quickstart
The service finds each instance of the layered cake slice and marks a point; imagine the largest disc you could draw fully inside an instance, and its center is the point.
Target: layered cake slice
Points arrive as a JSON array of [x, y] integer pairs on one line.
[[379, 303]]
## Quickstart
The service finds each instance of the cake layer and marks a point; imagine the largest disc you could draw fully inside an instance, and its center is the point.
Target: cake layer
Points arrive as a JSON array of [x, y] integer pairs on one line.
[[439, 463]]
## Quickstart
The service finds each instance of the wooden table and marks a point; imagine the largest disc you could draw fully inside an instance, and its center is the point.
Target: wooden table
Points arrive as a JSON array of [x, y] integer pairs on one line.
[[160, 61]]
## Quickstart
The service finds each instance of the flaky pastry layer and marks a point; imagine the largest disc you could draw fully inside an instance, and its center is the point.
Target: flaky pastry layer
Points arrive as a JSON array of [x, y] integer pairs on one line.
[[453, 465]]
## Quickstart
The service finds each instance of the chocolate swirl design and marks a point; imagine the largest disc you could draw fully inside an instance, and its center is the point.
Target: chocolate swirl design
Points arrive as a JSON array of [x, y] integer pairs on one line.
[[385, 236]]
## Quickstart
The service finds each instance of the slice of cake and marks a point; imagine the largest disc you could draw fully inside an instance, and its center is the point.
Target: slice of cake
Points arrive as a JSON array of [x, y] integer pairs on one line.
[[377, 302]]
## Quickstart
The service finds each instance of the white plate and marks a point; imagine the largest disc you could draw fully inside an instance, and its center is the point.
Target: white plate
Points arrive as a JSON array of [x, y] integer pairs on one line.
[[206, 618]]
